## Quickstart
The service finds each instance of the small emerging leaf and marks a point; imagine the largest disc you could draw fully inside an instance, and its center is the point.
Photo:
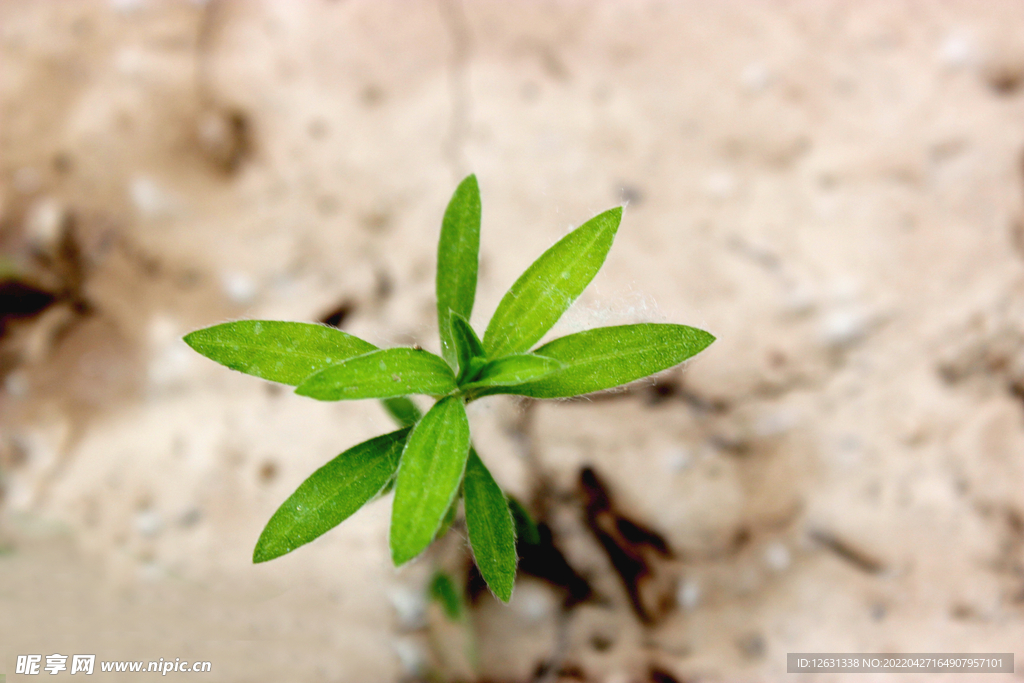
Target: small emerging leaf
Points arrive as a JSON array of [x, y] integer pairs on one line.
[[467, 345], [428, 478], [381, 374], [515, 369], [402, 410], [280, 351], [491, 531], [612, 356], [330, 495], [457, 260], [442, 589], [548, 287]]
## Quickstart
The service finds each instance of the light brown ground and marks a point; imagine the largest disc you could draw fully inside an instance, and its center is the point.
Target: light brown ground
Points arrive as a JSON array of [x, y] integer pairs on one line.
[[832, 189]]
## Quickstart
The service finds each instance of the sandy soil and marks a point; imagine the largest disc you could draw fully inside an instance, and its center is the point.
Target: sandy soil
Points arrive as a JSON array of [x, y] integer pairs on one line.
[[832, 189]]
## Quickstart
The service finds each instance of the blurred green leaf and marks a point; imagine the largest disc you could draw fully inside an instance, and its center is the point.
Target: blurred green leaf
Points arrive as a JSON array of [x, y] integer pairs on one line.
[[491, 531], [457, 261], [280, 351], [442, 589], [402, 410], [431, 470], [330, 495], [386, 373], [548, 287], [526, 528]]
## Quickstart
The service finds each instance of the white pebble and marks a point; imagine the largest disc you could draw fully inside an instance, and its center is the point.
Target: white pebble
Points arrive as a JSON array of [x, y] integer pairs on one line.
[[844, 328], [777, 557], [677, 459], [721, 185], [149, 199], [410, 607], [411, 656], [958, 50], [238, 287], [129, 62], [43, 223], [126, 6], [755, 77], [779, 422], [149, 523], [798, 300], [689, 594], [533, 602]]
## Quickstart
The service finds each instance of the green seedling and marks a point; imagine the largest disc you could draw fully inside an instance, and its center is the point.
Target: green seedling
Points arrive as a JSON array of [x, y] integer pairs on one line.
[[430, 462]]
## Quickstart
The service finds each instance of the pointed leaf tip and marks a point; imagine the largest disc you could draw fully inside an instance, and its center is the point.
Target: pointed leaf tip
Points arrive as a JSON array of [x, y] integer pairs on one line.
[[458, 259], [549, 286], [491, 528], [607, 357], [331, 495], [279, 351], [428, 479]]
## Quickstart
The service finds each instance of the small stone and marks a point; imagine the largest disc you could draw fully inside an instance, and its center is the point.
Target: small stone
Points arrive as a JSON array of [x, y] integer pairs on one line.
[[410, 607], [721, 185], [190, 517], [149, 523], [775, 424], [844, 328], [798, 300], [958, 50], [238, 287], [533, 602], [411, 656], [44, 223], [755, 77], [127, 6], [677, 459], [777, 557], [689, 594], [171, 358], [149, 199]]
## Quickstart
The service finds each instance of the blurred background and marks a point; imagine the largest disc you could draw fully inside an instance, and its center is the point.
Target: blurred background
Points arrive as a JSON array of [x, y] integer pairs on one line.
[[832, 189]]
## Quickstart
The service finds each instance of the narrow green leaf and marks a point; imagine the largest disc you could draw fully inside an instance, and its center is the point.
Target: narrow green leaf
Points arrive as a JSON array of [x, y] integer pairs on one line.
[[402, 410], [526, 528], [515, 369], [428, 478], [381, 374], [458, 256], [330, 495], [280, 351], [442, 589], [492, 533], [548, 287], [608, 357], [467, 344]]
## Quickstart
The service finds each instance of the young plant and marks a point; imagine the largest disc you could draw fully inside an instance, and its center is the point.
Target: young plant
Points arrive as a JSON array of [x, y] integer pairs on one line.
[[430, 461]]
